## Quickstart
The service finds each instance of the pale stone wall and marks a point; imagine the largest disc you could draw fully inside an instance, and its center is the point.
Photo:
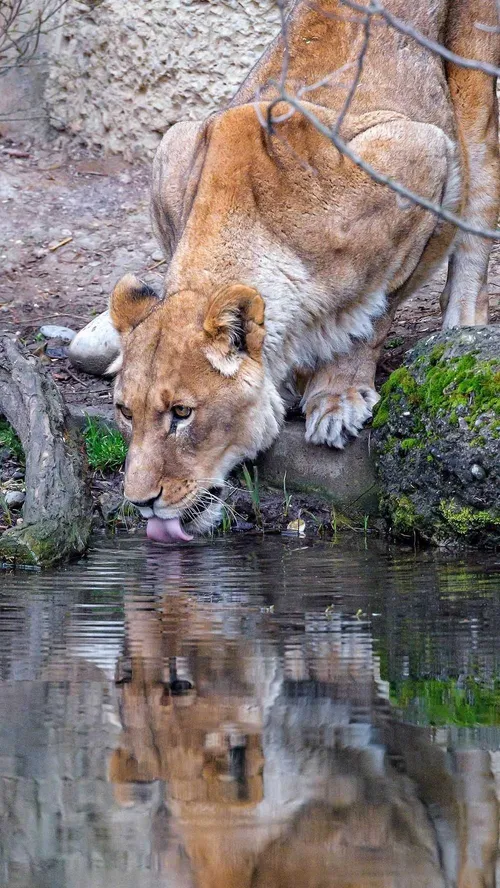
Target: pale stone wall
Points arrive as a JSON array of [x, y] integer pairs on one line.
[[123, 71]]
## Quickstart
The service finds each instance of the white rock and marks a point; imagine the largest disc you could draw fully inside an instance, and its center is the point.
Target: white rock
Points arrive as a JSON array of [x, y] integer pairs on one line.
[[53, 331], [157, 256], [95, 347], [15, 498]]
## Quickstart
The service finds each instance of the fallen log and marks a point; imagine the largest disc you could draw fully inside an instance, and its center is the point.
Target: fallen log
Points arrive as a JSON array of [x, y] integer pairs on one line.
[[57, 513]]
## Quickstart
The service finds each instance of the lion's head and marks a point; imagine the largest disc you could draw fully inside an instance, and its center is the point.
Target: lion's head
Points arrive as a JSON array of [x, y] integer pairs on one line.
[[191, 396]]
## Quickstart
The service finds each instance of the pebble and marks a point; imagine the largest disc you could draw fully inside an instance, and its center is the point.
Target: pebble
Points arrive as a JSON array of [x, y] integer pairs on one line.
[[18, 474], [53, 331], [15, 498], [157, 256], [110, 502], [298, 526], [478, 472]]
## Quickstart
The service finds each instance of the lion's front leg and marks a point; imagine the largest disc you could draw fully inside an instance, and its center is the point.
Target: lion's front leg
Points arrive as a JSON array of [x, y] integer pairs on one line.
[[339, 397], [338, 400]]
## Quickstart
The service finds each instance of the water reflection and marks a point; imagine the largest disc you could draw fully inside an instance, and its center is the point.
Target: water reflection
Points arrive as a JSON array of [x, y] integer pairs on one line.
[[217, 717]]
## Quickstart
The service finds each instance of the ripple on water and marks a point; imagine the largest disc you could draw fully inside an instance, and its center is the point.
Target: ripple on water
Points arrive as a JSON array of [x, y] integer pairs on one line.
[[246, 711]]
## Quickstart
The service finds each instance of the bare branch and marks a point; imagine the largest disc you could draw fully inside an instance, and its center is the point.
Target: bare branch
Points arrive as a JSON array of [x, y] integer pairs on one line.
[[21, 30], [345, 149]]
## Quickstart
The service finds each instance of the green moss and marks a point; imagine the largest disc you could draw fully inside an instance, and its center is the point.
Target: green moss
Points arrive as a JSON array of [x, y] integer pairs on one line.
[[10, 441], [436, 354], [403, 514], [106, 449], [390, 444], [400, 383], [410, 444], [45, 543], [464, 520], [462, 383], [452, 387], [448, 702], [395, 342]]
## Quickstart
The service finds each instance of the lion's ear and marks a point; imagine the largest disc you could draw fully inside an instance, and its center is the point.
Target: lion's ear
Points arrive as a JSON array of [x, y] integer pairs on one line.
[[234, 325], [130, 302]]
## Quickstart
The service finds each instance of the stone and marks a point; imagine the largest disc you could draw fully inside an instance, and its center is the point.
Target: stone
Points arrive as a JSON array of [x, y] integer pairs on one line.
[[53, 331], [15, 498], [436, 432], [110, 503], [96, 346], [344, 478], [157, 256]]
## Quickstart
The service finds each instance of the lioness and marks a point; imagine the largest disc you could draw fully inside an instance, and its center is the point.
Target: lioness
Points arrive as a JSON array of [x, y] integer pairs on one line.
[[286, 259]]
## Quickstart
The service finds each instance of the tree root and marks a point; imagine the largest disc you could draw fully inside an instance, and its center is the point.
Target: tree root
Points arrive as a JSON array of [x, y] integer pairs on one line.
[[57, 513]]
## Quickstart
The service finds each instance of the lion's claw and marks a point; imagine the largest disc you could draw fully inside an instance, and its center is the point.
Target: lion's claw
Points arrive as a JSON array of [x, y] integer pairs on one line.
[[332, 419]]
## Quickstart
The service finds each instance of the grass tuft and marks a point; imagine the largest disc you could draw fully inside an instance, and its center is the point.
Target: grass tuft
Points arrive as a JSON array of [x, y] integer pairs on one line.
[[106, 449], [10, 441], [253, 487]]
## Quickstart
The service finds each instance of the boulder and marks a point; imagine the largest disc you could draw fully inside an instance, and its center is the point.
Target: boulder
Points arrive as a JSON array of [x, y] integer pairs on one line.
[[345, 478], [96, 346], [436, 433]]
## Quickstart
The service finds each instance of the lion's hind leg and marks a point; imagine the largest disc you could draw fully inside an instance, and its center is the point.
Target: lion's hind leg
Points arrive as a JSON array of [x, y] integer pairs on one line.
[[465, 298]]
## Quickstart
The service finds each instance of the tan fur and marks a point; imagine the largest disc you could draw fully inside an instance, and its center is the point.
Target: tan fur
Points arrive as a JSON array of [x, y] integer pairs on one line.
[[330, 253]]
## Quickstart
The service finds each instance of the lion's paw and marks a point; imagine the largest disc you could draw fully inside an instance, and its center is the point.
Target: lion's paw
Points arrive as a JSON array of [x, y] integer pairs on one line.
[[333, 419]]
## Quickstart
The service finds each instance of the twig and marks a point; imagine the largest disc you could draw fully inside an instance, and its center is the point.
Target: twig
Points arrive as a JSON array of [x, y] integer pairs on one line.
[[62, 243], [75, 377], [91, 173], [15, 152]]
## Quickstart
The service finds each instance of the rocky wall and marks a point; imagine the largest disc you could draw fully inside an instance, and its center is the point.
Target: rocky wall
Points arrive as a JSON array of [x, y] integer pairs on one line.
[[124, 71]]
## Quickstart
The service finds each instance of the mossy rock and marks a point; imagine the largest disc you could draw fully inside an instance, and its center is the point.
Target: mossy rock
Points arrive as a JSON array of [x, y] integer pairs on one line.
[[437, 436]]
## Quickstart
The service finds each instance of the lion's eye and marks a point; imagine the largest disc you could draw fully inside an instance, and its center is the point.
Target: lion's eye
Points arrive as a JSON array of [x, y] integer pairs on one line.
[[181, 412], [124, 411]]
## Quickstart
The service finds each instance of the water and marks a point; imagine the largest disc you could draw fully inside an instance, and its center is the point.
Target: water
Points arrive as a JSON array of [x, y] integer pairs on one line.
[[259, 712]]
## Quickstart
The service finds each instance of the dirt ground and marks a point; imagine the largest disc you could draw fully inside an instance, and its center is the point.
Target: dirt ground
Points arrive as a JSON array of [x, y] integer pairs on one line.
[[71, 224]]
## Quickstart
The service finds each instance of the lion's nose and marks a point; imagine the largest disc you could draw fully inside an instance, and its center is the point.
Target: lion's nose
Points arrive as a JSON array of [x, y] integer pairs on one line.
[[145, 504]]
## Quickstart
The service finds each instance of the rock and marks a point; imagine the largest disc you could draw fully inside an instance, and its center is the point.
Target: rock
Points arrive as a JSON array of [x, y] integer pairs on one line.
[[53, 331], [110, 503], [157, 256], [344, 478], [96, 346], [437, 436], [15, 498]]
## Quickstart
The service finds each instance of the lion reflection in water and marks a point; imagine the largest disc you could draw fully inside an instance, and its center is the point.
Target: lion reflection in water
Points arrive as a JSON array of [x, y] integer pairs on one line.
[[283, 767]]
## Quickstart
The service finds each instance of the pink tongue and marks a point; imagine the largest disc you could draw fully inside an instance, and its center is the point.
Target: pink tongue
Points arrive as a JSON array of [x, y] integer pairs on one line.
[[166, 530]]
